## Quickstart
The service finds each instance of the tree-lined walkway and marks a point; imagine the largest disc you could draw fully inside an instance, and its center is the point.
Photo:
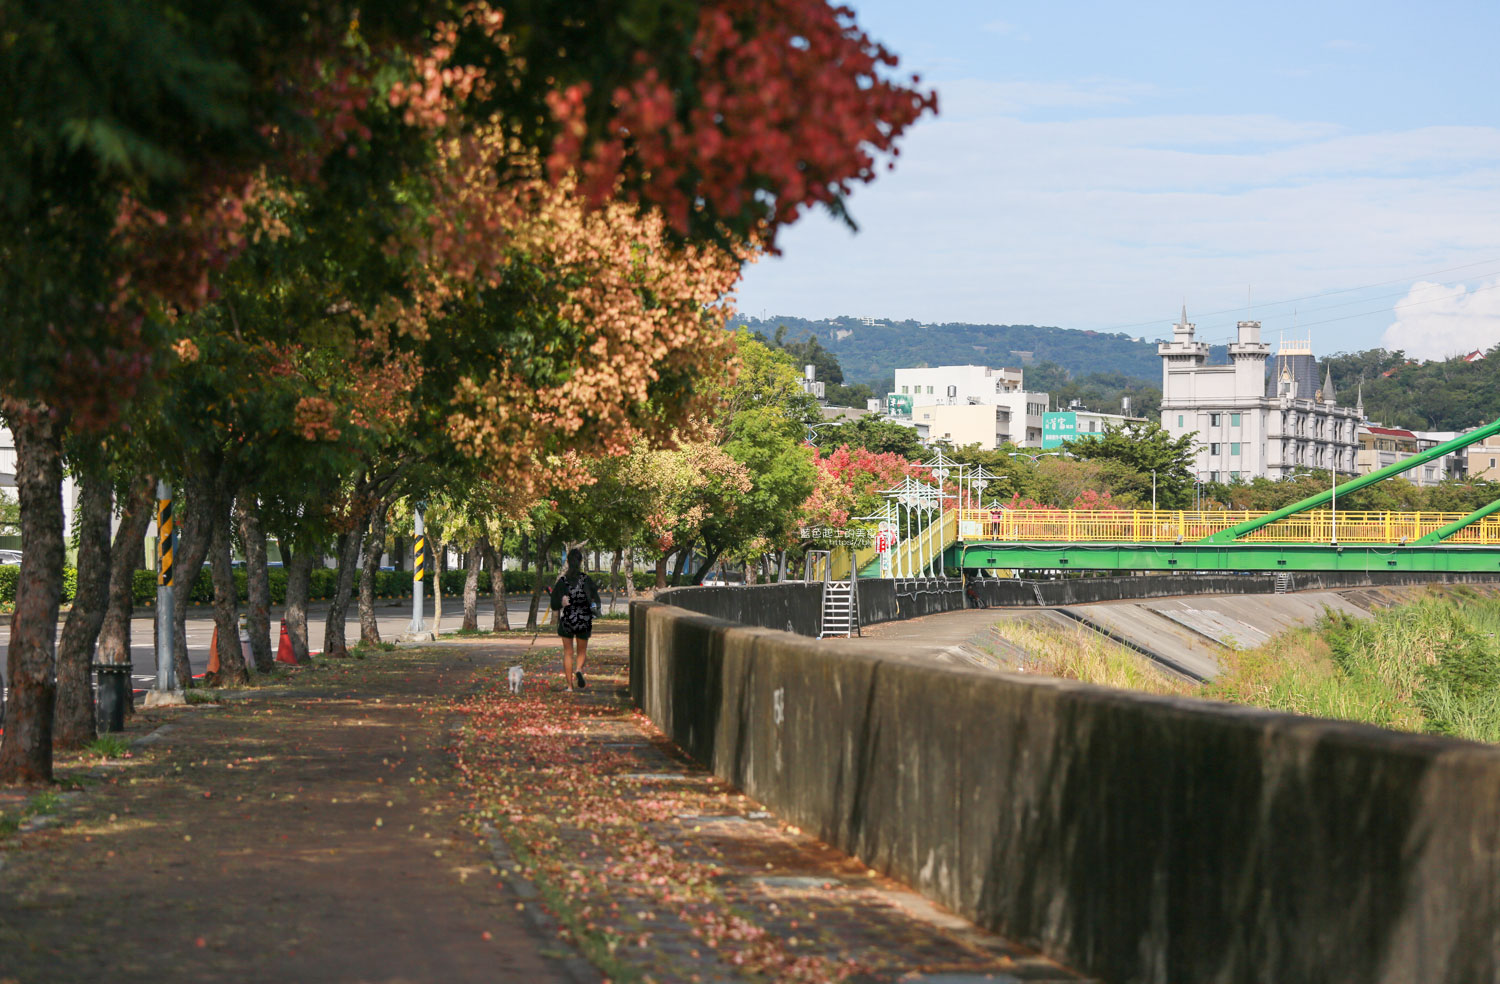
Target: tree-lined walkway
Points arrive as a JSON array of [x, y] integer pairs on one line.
[[319, 830]]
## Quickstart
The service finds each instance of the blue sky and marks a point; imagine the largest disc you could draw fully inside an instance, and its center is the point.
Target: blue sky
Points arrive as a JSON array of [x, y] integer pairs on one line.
[[1332, 169]]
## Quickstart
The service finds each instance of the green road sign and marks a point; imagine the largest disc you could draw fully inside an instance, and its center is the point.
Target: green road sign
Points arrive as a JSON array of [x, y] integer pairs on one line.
[[898, 404], [1058, 428]]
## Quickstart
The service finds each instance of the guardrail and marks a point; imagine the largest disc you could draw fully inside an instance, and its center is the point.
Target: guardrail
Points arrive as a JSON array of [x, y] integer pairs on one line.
[[1185, 526]]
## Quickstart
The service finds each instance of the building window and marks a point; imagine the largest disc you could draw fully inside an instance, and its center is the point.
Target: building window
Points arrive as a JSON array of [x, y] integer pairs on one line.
[[905, 389], [1093, 426], [1213, 476], [1213, 449], [1234, 420], [1179, 421], [929, 391], [1492, 462], [1234, 476], [1234, 449], [1213, 419]]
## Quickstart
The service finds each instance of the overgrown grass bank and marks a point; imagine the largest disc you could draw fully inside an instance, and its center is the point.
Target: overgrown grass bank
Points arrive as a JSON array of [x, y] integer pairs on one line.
[[1430, 665]]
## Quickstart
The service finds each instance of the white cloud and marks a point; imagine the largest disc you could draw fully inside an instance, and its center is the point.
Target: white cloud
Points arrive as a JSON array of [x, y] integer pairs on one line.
[[1105, 221], [1434, 321], [1006, 30]]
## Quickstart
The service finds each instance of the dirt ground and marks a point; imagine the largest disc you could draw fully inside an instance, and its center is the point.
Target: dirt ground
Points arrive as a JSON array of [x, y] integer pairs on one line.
[[405, 818]]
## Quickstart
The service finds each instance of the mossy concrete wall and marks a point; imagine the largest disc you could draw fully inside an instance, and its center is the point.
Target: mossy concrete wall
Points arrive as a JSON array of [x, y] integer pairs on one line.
[[1139, 838]]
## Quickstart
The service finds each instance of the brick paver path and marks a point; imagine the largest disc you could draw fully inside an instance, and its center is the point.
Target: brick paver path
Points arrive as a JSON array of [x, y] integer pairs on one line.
[[318, 830]]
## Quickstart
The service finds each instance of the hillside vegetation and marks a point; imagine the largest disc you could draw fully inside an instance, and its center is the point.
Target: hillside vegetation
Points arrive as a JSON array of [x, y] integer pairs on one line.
[[871, 353], [1449, 395]]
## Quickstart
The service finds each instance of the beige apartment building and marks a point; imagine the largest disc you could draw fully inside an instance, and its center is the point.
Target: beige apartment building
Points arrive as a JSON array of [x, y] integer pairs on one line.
[[1484, 459]]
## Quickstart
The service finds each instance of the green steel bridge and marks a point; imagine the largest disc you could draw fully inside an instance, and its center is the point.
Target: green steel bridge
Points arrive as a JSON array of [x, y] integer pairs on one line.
[[1310, 535]]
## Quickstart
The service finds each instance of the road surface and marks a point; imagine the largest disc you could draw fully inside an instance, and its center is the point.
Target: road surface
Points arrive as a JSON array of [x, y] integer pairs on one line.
[[393, 617]]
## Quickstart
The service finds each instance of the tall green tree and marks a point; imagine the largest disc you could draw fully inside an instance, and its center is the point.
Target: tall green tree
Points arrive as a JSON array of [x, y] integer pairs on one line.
[[1144, 448]]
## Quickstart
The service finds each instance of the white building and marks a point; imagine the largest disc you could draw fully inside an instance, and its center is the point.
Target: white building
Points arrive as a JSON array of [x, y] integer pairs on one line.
[[1245, 425], [1016, 414]]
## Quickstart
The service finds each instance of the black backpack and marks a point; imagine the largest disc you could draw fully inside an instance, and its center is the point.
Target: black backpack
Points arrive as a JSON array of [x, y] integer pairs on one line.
[[579, 613]]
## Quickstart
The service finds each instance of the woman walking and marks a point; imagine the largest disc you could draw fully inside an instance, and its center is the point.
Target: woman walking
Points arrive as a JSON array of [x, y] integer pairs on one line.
[[575, 599]]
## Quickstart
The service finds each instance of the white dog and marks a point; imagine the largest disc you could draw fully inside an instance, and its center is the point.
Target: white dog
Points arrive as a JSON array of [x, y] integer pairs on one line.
[[515, 679]]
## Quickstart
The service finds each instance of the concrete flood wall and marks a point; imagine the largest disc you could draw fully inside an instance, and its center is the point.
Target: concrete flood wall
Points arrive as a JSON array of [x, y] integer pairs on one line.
[[1139, 838]]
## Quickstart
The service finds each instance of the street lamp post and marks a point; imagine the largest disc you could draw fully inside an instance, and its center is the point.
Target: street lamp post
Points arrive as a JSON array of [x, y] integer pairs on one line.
[[1037, 457], [1153, 490], [1333, 488]]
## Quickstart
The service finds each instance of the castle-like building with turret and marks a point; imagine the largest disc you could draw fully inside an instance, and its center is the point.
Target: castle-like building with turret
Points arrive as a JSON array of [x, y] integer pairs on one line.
[[1250, 422]]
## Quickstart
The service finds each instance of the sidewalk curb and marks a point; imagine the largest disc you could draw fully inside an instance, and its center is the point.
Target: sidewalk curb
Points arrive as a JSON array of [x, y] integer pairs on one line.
[[576, 966]]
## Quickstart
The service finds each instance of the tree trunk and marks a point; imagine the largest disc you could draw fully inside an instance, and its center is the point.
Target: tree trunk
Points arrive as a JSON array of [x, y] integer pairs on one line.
[[369, 629], [525, 553], [232, 669], [541, 584], [298, 586], [129, 550], [73, 725], [661, 572], [257, 582], [471, 590], [683, 556], [193, 515], [750, 571], [708, 562], [335, 642], [26, 749], [614, 580], [630, 573], [439, 557], [398, 553], [497, 587]]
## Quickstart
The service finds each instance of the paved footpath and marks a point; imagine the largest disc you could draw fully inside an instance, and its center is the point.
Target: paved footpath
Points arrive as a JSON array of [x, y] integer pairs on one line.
[[405, 818]]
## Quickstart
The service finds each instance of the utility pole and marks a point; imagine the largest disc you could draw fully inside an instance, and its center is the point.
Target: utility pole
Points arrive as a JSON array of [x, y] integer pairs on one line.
[[166, 690], [416, 631]]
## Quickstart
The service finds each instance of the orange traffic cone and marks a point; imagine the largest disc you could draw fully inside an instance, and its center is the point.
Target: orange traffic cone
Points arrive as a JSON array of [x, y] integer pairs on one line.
[[284, 652], [213, 655]]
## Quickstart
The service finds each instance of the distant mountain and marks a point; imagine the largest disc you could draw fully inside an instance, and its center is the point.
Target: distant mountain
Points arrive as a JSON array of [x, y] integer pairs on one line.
[[870, 353]]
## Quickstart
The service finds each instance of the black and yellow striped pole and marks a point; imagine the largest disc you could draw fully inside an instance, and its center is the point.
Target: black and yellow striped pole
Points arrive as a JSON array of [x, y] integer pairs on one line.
[[416, 630], [166, 543]]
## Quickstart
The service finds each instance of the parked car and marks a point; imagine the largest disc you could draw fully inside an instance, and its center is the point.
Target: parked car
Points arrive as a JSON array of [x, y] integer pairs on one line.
[[10, 556]]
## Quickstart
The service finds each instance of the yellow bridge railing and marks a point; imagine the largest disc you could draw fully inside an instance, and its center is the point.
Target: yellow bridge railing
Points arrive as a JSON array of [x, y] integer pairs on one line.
[[1172, 526]]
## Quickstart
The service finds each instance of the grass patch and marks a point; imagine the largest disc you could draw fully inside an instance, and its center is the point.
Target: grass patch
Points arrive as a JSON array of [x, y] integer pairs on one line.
[[108, 746], [45, 802], [198, 696], [1430, 665], [1076, 654]]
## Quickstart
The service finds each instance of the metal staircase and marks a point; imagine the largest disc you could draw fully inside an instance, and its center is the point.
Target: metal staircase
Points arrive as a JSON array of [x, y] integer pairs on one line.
[[840, 615]]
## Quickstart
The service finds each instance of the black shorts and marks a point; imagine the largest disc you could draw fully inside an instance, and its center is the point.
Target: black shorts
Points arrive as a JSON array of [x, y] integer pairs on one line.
[[582, 632]]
